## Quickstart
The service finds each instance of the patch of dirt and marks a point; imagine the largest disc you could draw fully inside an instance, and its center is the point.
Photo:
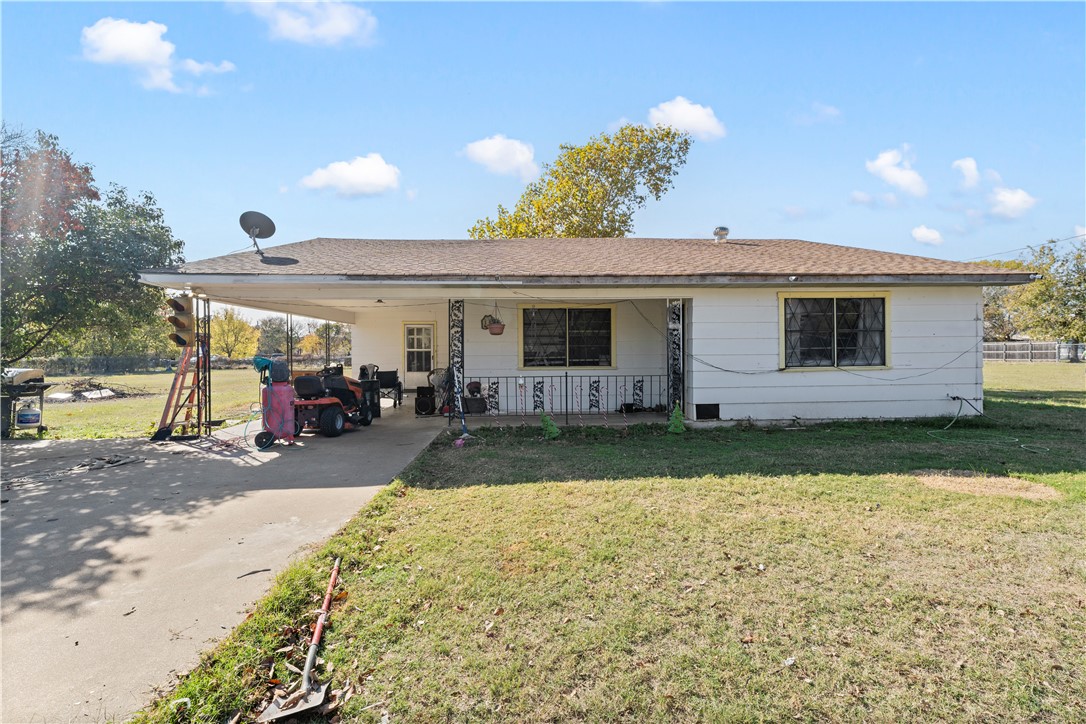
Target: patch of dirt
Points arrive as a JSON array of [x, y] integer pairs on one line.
[[90, 384], [974, 483]]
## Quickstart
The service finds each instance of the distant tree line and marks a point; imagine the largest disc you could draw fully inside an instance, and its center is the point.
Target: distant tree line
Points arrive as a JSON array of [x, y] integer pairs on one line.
[[233, 336]]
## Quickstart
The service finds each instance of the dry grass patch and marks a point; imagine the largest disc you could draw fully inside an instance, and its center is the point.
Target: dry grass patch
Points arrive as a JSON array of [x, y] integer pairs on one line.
[[975, 483]]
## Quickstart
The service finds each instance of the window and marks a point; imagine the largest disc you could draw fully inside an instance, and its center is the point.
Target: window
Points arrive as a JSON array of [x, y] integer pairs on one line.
[[566, 337], [829, 331]]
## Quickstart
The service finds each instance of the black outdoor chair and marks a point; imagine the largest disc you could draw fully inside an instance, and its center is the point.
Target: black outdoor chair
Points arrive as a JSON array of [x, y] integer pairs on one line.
[[391, 386]]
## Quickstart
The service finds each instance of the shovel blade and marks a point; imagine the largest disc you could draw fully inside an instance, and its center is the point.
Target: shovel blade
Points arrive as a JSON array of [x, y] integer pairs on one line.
[[312, 699]]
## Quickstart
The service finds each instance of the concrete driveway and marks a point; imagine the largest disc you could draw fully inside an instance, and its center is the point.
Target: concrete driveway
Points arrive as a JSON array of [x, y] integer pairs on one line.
[[115, 579]]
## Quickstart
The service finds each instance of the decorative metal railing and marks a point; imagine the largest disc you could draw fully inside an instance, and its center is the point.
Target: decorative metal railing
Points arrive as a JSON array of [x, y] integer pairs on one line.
[[568, 395]]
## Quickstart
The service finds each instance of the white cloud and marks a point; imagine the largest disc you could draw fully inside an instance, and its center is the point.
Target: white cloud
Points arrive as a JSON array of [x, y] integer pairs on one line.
[[317, 23], [1010, 203], [111, 41], [924, 235], [191, 66], [970, 174], [893, 168], [683, 115], [993, 176], [862, 198], [506, 156], [364, 176], [819, 113]]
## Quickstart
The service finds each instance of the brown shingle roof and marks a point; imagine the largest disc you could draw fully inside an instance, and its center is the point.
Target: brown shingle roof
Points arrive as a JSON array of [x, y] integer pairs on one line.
[[580, 258]]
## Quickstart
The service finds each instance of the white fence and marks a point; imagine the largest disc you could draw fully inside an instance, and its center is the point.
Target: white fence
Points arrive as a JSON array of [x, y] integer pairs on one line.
[[1034, 352]]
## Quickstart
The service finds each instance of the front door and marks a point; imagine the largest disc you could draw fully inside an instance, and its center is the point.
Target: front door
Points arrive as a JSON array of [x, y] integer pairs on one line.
[[418, 349]]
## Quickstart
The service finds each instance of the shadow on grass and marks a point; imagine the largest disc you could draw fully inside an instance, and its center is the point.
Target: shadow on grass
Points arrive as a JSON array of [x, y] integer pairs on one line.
[[1021, 434]]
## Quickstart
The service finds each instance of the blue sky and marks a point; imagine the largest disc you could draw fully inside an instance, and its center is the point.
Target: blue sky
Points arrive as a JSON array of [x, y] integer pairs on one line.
[[948, 130]]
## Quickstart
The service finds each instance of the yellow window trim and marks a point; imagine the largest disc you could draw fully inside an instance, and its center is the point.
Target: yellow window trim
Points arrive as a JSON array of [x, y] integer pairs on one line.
[[520, 334], [883, 294]]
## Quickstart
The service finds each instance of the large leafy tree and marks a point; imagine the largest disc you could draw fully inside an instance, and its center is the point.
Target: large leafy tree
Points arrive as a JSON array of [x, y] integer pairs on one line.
[[1052, 307], [330, 339], [70, 257], [232, 335], [1002, 322], [593, 190], [272, 334]]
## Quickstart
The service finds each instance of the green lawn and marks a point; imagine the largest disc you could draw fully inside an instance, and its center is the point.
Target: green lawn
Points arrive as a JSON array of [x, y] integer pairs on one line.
[[728, 574]]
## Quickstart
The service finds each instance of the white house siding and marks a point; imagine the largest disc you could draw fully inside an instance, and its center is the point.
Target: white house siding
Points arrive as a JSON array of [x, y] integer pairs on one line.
[[934, 353], [377, 336], [639, 348]]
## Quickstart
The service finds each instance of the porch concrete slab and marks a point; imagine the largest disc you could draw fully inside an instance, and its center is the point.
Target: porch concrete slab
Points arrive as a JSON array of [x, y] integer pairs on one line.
[[115, 579]]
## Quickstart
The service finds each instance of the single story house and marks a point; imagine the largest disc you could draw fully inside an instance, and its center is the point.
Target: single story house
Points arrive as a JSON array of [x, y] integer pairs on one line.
[[766, 330]]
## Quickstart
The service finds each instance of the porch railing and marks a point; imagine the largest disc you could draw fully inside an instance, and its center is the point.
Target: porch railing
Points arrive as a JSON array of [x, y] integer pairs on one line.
[[568, 395]]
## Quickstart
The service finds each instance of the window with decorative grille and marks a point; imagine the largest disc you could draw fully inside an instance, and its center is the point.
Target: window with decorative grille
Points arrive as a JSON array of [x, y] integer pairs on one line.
[[835, 332], [572, 337]]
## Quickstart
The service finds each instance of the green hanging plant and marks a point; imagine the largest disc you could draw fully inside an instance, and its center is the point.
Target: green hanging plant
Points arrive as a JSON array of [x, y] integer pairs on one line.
[[550, 430], [675, 425]]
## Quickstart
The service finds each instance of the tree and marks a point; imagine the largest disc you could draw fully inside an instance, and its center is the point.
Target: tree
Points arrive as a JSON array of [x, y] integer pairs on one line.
[[334, 340], [273, 334], [232, 335], [593, 190], [329, 339], [141, 337], [1052, 307], [311, 344], [71, 259], [1001, 320]]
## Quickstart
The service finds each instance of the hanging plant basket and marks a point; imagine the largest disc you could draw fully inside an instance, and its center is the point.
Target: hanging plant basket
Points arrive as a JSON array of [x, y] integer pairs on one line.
[[493, 322]]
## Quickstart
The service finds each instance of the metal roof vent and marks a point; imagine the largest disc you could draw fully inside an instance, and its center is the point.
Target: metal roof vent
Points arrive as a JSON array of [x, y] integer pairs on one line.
[[720, 233]]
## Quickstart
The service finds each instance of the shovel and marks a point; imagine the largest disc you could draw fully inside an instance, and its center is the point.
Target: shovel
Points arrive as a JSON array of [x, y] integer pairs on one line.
[[308, 696]]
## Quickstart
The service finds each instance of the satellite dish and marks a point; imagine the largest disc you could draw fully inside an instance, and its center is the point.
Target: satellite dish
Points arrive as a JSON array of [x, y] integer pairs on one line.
[[257, 226]]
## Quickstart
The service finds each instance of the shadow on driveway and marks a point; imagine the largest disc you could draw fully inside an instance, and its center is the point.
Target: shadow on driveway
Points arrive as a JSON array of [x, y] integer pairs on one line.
[[117, 576]]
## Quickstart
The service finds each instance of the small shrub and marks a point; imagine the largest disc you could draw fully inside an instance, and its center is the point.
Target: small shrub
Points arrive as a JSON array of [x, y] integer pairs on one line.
[[550, 430], [675, 424]]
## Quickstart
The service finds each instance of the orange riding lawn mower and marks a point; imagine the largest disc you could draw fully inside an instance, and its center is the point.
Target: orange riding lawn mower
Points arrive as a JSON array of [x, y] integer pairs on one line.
[[327, 401]]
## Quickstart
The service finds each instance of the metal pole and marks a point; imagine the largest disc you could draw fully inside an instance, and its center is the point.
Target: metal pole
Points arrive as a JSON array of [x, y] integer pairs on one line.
[[567, 399], [290, 343]]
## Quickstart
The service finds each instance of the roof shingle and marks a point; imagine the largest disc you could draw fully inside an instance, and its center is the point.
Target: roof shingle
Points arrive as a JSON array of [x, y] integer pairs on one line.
[[445, 259]]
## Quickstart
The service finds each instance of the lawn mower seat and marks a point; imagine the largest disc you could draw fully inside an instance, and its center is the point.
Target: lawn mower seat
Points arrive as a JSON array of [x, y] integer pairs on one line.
[[308, 387], [338, 388]]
